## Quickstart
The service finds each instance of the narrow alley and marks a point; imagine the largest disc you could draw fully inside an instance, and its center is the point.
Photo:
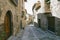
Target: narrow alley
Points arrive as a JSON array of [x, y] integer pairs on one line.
[[33, 33], [29, 19]]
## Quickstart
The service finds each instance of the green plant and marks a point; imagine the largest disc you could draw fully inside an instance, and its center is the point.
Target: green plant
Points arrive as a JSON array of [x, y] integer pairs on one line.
[[2, 35]]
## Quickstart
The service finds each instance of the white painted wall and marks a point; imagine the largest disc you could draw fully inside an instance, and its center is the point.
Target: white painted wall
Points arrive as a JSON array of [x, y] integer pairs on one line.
[[55, 8]]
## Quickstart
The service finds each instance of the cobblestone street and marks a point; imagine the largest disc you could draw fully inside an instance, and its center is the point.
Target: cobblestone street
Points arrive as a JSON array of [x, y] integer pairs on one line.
[[29, 19], [33, 33]]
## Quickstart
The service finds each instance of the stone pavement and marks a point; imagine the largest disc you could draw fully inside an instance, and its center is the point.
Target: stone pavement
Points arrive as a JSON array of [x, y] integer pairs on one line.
[[17, 37], [33, 33]]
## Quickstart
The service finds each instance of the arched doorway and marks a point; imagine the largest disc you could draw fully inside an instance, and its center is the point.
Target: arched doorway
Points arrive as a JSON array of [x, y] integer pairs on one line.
[[8, 24]]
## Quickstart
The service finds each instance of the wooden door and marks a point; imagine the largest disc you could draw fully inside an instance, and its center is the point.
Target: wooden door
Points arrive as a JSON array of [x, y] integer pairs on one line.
[[7, 25]]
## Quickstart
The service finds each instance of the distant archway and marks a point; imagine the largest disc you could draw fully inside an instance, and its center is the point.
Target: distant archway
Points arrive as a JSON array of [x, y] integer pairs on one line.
[[8, 24]]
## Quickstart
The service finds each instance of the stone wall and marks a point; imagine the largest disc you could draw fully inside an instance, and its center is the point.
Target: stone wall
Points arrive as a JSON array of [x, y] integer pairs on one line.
[[53, 24], [7, 5], [30, 19], [1, 28], [57, 26], [23, 23], [43, 19]]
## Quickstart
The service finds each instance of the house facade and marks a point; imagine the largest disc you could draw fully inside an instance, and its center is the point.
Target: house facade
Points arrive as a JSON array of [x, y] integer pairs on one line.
[[10, 16], [55, 10], [38, 8], [50, 19], [30, 19]]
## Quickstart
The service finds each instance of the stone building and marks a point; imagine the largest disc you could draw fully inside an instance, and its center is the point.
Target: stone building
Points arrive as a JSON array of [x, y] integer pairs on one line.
[[45, 20], [30, 19], [38, 8], [43, 17], [51, 16], [23, 18], [23, 15], [10, 15], [55, 11], [50, 19]]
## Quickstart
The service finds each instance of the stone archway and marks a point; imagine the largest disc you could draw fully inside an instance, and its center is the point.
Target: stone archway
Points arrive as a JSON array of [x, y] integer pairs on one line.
[[8, 24]]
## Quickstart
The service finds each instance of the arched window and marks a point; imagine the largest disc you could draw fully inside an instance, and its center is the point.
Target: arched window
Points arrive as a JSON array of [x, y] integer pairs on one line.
[[22, 14]]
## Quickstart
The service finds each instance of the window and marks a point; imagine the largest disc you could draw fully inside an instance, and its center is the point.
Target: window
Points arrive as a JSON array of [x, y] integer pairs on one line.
[[22, 14], [17, 18], [15, 2], [47, 1]]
